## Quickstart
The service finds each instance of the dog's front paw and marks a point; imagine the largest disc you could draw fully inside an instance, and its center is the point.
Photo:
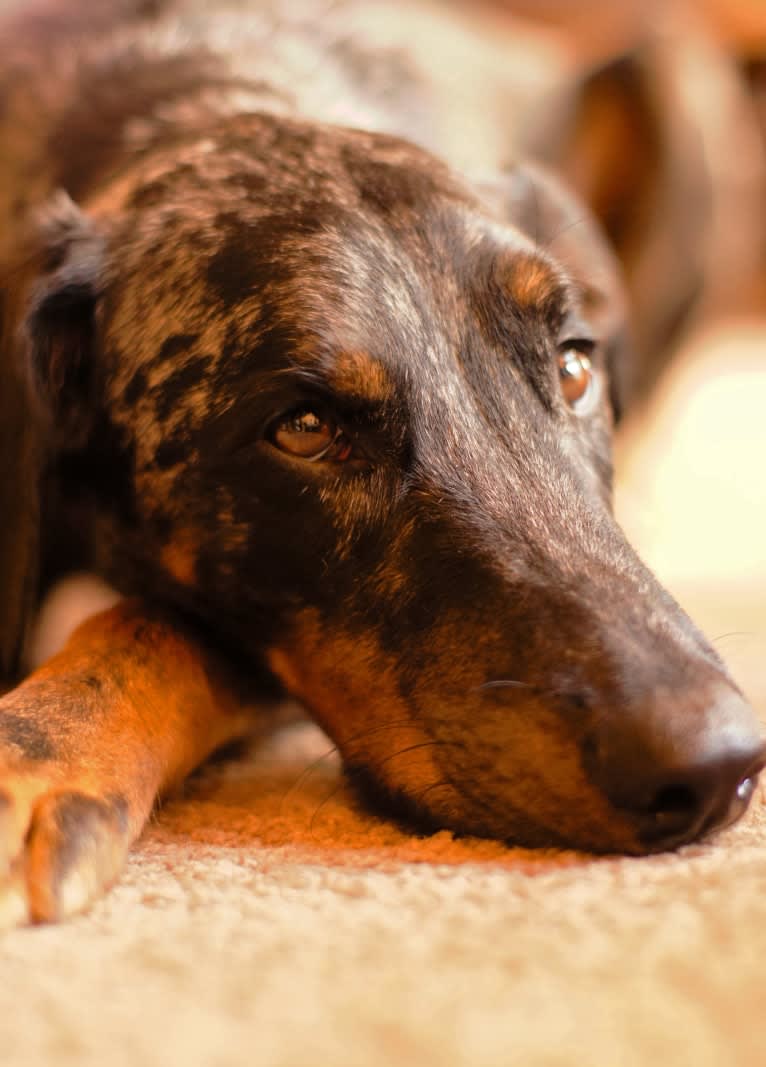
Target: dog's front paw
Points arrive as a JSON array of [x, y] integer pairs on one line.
[[60, 845], [64, 828], [88, 742]]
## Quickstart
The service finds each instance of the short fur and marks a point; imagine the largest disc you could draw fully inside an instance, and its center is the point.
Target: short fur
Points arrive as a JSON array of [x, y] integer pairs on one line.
[[198, 239]]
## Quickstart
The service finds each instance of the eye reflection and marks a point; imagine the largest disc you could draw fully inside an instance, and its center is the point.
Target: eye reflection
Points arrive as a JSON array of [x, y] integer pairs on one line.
[[576, 377], [307, 435]]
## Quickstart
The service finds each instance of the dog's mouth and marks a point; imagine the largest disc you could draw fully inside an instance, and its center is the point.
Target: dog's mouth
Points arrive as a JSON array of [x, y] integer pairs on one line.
[[675, 821], [510, 764]]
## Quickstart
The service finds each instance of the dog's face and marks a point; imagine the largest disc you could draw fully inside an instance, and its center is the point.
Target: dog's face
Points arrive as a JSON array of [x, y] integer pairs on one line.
[[357, 415]]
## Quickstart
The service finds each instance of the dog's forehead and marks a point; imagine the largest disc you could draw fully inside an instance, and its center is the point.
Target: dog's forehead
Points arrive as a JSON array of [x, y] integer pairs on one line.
[[230, 215], [263, 161], [380, 323], [371, 266]]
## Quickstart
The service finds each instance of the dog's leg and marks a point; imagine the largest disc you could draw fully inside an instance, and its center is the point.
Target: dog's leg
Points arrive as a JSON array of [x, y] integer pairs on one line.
[[88, 742]]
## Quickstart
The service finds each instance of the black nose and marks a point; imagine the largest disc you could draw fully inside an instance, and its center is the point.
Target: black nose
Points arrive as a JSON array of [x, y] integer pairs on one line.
[[678, 775]]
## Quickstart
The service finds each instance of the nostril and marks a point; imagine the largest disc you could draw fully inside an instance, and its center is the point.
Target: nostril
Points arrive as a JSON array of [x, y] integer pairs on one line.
[[673, 782], [672, 815], [712, 798], [675, 800]]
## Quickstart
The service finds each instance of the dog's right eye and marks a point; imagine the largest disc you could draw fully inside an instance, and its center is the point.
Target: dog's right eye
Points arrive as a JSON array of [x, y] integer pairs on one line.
[[308, 435], [576, 375]]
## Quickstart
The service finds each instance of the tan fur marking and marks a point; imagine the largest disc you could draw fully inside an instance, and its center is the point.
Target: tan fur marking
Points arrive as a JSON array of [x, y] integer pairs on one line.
[[359, 374], [351, 690], [179, 558], [531, 282]]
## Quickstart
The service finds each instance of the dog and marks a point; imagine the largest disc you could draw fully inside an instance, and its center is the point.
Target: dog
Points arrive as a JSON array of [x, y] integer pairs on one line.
[[335, 420]]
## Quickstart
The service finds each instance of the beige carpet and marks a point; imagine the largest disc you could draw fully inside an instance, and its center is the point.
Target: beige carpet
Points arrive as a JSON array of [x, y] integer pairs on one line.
[[263, 920]]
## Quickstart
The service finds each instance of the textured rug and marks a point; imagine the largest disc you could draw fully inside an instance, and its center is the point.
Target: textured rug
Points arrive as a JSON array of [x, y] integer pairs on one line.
[[264, 919]]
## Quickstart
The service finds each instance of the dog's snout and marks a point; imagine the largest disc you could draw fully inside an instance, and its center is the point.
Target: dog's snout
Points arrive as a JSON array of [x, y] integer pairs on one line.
[[677, 784]]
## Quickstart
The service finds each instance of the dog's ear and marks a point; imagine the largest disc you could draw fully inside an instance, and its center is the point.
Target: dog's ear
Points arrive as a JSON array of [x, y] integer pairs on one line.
[[20, 454], [58, 324], [537, 204], [610, 147], [623, 140], [48, 293]]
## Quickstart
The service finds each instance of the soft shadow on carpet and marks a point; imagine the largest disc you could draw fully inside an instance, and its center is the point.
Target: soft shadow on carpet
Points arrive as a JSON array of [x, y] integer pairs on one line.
[[264, 919]]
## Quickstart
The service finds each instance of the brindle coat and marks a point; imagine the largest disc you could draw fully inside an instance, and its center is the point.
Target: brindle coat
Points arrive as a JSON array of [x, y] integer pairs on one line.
[[196, 245]]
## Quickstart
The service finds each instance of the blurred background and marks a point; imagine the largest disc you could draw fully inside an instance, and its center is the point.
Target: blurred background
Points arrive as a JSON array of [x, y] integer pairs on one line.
[[692, 490]]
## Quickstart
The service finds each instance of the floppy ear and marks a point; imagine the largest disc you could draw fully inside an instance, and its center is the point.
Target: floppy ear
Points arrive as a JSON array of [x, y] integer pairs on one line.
[[558, 222], [623, 140], [610, 148], [58, 329], [48, 294], [20, 456]]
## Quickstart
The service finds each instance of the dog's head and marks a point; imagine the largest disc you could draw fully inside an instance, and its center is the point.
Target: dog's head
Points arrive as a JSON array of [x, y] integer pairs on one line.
[[356, 414]]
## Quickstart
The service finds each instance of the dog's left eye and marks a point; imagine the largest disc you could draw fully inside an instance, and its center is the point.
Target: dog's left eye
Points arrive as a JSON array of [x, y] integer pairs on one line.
[[576, 377], [310, 436]]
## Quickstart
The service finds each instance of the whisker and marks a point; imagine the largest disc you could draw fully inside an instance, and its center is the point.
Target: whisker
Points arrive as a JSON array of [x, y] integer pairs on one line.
[[442, 783], [433, 743], [401, 752], [578, 221], [504, 683], [390, 725], [339, 785], [733, 633], [304, 774], [536, 199], [311, 767]]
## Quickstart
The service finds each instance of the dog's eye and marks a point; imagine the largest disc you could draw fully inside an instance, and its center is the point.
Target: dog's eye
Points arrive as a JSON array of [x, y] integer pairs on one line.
[[576, 377], [309, 436]]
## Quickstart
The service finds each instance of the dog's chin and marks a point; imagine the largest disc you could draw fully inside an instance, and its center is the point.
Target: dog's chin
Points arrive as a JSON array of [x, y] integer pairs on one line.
[[442, 806]]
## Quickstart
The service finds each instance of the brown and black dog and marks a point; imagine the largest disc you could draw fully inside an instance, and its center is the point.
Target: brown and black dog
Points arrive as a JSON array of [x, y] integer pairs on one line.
[[336, 419]]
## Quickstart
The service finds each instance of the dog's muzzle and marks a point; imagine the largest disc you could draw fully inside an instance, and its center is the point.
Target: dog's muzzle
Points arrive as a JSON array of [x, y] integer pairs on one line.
[[676, 780]]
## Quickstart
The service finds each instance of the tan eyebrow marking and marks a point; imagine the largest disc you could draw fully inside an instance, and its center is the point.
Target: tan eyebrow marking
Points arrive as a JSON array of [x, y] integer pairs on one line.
[[358, 374], [531, 282]]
